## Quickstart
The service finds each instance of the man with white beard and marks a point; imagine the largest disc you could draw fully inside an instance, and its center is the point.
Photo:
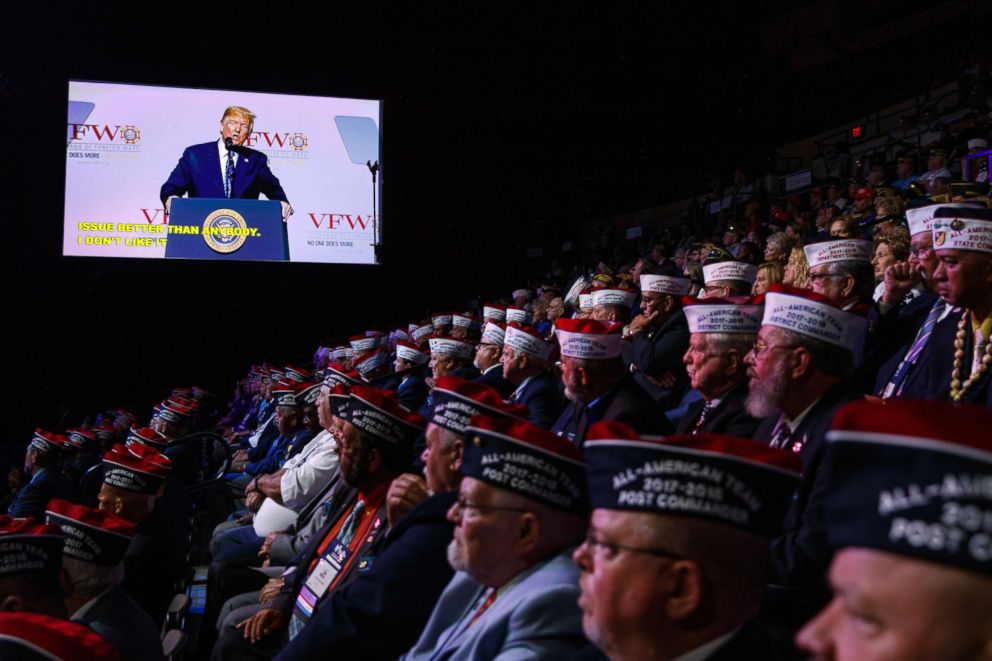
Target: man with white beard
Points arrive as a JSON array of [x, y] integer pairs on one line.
[[799, 374]]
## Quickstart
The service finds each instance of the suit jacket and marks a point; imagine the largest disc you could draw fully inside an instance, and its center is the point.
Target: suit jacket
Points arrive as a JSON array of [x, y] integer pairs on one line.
[[537, 617], [33, 497], [198, 173], [754, 641], [659, 350], [543, 400], [941, 364], [123, 624], [625, 402], [493, 378], [800, 556], [380, 613], [729, 417], [412, 392], [889, 337]]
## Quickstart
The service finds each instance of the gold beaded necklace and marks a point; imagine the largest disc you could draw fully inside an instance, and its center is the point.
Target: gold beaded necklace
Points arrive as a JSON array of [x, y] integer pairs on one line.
[[957, 388]]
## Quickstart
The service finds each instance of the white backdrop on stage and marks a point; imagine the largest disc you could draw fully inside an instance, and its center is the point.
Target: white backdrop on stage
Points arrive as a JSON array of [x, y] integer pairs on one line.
[[123, 141]]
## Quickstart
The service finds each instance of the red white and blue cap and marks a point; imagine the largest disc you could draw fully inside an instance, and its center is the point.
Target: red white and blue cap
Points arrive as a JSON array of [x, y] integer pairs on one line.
[[28, 636], [494, 333], [139, 468], [664, 284], [339, 399], [362, 343], [27, 546], [614, 296], [378, 413], [337, 373], [105, 431], [517, 456], [91, 535], [724, 479], [459, 320], [912, 478], [308, 392], [518, 315], [813, 315], [841, 250], [411, 353], [340, 353], [147, 436], [588, 339], [173, 412], [297, 374], [962, 227], [729, 270], [81, 438], [371, 361], [525, 339], [442, 318], [494, 311], [449, 346], [734, 314], [456, 400], [422, 331], [47, 442]]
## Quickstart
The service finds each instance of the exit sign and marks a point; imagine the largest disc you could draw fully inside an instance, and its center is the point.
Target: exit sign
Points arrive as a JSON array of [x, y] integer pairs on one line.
[[856, 132]]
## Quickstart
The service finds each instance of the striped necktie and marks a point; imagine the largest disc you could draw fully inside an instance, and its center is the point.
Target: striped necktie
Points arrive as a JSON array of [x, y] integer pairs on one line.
[[782, 436], [898, 381], [707, 408], [229, 173]]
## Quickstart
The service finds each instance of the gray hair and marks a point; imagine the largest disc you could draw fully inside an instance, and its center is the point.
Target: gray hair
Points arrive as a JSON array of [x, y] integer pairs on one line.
[[89, 579]]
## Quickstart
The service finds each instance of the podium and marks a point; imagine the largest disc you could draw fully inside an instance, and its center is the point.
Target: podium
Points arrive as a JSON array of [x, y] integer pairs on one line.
[[226, 229]]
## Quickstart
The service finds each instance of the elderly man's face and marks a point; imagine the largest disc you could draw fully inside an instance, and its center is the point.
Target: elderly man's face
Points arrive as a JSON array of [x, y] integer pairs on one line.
[[652, 303], [324, 416], [235, 127], [352, 454], [441, 365], [963, 277], [922, 256], [437, 458], [622, 594], [486, 355], [887, 606], [767, 372], [831, 286], [286, 417], [484, 532], [706, 369]]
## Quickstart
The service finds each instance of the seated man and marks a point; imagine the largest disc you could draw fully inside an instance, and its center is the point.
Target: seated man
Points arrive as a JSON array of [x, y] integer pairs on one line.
[[382, 611], [133, 481], [95, 543], [909, 524], [674, 560], [597, 384], [489, 359], [526, 357], [842, 271], [409, 364], [41, 462], [723, 332], [520, 511], [373, 449], [723, 278]]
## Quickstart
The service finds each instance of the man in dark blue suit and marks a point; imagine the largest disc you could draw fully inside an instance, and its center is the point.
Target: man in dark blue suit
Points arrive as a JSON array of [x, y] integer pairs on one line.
[[47, 481], [488, 359], [525, 364], [225, 167]]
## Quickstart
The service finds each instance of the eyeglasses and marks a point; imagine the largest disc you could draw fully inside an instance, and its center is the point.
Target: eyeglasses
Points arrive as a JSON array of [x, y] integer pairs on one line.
[[613, 549], [758, 349], [462, 505], [816, 277]]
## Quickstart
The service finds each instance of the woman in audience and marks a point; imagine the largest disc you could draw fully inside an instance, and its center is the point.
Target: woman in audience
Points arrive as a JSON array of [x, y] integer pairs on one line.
[[778, 248], [797, 270], [769, 273], [888, 251], [845, 227]]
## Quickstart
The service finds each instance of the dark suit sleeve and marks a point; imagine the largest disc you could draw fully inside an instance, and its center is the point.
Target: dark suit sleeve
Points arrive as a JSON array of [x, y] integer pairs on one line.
[[381, 613], [661, 353], [180, 181], [31, 500], [544, 404], [267, 183]]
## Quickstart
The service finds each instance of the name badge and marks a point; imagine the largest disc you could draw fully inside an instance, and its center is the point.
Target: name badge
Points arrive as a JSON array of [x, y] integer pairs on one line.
[[327, 569]]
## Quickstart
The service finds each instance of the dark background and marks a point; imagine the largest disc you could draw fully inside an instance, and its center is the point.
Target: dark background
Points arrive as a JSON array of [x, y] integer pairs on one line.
[[505, 125]]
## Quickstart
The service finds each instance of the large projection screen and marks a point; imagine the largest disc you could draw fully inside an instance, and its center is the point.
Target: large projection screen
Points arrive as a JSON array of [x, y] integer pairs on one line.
[[124, 141]]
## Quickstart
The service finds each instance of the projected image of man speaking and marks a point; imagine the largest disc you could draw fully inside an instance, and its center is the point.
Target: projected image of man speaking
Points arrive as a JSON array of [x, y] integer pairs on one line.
[[225, 167]]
